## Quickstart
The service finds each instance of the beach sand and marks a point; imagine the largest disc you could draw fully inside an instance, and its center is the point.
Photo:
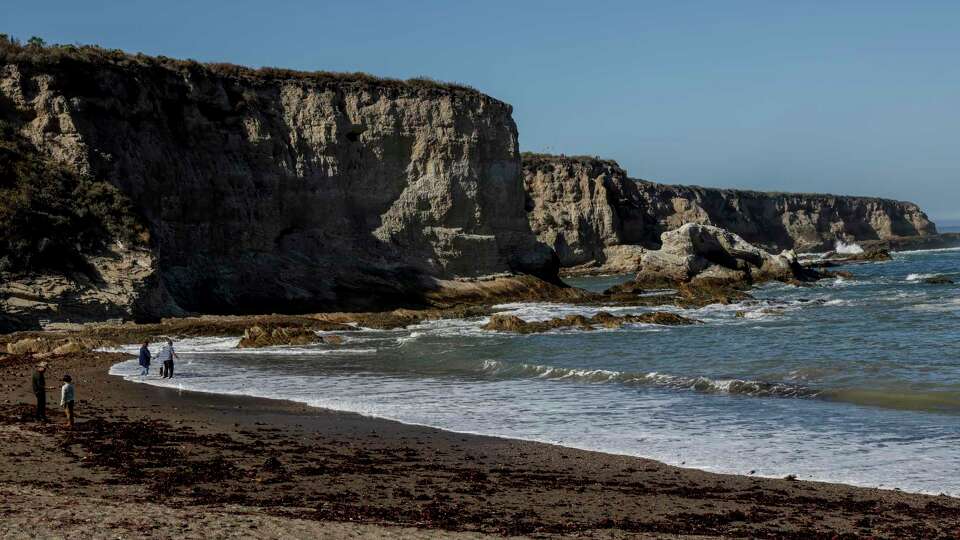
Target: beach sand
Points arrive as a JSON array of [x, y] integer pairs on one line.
[[155, 462]]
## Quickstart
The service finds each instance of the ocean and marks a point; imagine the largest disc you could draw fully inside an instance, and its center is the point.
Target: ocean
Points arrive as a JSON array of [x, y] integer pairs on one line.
[[849, 380]]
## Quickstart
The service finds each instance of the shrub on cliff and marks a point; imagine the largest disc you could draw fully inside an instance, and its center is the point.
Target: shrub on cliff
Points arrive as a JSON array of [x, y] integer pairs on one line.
[[50, 217], [38, 52]]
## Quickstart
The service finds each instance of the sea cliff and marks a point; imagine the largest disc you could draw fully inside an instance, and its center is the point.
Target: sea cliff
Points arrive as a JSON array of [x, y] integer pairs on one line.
[[582, 206], [265, 190]]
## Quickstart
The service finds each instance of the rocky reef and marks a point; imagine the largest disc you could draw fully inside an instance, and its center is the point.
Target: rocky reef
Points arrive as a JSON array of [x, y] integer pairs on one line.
[[588, 208], [511, 323], [267, 190]]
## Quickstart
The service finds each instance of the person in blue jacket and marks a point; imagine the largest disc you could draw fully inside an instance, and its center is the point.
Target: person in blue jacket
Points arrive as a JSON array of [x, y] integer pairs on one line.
[[145, 358]]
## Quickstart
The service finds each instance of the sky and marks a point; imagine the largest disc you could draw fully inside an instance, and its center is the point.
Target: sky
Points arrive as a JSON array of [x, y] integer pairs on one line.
[[849, 97]]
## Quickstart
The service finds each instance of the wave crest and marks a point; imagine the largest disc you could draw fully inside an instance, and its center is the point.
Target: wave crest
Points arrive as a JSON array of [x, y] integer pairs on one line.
[[701, 384]]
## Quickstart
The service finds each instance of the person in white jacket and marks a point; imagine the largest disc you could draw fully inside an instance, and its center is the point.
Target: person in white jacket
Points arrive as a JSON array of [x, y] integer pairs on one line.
[[67, 398], [166, 357]]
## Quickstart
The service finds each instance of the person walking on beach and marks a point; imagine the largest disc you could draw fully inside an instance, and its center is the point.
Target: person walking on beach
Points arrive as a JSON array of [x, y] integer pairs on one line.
[[67, 397], [167, 355], [40, 390], [145, 359]]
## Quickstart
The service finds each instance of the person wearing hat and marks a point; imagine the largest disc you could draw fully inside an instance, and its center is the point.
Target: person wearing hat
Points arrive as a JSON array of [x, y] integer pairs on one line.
[[67, 397], [40, 390]]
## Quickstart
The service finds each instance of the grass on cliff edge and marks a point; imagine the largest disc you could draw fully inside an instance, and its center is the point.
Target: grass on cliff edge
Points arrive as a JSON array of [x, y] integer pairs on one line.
[[51, 217], [37, 52]]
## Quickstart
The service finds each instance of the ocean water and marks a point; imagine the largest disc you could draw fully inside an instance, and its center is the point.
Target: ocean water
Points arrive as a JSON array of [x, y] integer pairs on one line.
[[854, 381]]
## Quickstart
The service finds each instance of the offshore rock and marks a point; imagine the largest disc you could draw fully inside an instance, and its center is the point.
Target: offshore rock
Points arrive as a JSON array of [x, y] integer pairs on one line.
[[511, 323], [702, 253], [839, 259], [258, 336]]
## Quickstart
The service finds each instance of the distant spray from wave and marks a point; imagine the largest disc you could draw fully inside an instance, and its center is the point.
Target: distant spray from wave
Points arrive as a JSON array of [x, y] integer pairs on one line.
[[848, 249]]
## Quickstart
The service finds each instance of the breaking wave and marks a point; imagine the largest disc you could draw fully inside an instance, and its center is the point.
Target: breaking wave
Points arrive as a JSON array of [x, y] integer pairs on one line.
[[848, 249], [937, 401], [700, 384]]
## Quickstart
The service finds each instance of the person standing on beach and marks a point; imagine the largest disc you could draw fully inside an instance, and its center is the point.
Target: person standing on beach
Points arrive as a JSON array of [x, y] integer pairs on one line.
[[67, 397], [145, 359], [167, 355], [40, 390]]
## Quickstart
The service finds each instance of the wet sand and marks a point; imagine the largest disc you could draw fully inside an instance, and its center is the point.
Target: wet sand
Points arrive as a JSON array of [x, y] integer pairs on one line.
[[151, 461]]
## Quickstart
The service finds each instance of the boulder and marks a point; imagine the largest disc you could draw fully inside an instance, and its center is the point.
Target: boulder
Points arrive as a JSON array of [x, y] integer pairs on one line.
[[697, 253], [938, 280], [258, 336], [29, 346], [49, 346]]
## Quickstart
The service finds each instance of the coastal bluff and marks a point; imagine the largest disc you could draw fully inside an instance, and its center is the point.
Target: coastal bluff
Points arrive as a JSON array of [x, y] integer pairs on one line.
[[588, 210], [254, 191]]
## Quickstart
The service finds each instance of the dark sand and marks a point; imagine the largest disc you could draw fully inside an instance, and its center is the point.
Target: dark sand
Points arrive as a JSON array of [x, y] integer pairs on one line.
[[255, 467]]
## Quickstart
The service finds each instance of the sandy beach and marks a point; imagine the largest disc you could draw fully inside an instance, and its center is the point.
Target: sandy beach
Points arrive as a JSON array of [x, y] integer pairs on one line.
[[158, 462]]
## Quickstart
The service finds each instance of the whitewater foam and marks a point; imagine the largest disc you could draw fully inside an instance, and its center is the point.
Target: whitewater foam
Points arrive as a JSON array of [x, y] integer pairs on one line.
[[847, 249]]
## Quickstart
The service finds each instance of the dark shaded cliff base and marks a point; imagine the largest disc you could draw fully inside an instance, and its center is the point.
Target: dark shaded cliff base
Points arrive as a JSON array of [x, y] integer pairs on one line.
[[912, 243], [274, 467]]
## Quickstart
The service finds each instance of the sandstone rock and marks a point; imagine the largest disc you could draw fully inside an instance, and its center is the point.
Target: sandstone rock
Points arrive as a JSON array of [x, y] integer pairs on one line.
[[287, 193], [582, 206], [29, 346], [702, 253], [258, 336], [511, 323], [48, 346], [832, 259], [333, 340], [696, 294], [70, 347]]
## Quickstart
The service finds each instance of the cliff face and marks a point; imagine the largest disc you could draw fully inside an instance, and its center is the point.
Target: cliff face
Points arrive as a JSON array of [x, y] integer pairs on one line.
[[580, 206], [270, 192]]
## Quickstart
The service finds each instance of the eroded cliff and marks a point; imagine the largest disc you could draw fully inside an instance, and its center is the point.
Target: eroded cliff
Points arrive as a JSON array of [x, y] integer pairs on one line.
[[583, 206], [278, 191]]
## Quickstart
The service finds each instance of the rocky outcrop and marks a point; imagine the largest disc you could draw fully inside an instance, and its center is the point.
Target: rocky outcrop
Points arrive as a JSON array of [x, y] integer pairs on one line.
[[273, 191], [511, 323], [583, 206], [702, 253], [832, 258], [258, 336]]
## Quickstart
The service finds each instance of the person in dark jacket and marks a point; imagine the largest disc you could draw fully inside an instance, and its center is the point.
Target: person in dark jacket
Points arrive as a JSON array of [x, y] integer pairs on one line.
[[40, 390], [145, 359]]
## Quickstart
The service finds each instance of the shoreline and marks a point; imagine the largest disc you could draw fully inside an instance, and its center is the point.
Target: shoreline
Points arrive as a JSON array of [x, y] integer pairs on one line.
[[326, 410], [290, 461]]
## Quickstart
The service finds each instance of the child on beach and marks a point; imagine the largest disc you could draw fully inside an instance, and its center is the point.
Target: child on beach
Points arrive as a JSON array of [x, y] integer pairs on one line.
[[67, 397]]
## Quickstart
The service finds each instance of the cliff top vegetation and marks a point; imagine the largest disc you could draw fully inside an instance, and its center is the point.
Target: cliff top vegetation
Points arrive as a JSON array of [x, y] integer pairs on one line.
[[539, 161], [37, 52]]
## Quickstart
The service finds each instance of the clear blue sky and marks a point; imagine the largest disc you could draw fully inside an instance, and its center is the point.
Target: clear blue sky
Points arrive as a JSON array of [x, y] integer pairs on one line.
[[856, 97]]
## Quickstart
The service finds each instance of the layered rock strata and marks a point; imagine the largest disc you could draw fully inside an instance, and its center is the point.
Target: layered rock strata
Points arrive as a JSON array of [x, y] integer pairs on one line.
[[701, 253], [272, 191], [584, 206]]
